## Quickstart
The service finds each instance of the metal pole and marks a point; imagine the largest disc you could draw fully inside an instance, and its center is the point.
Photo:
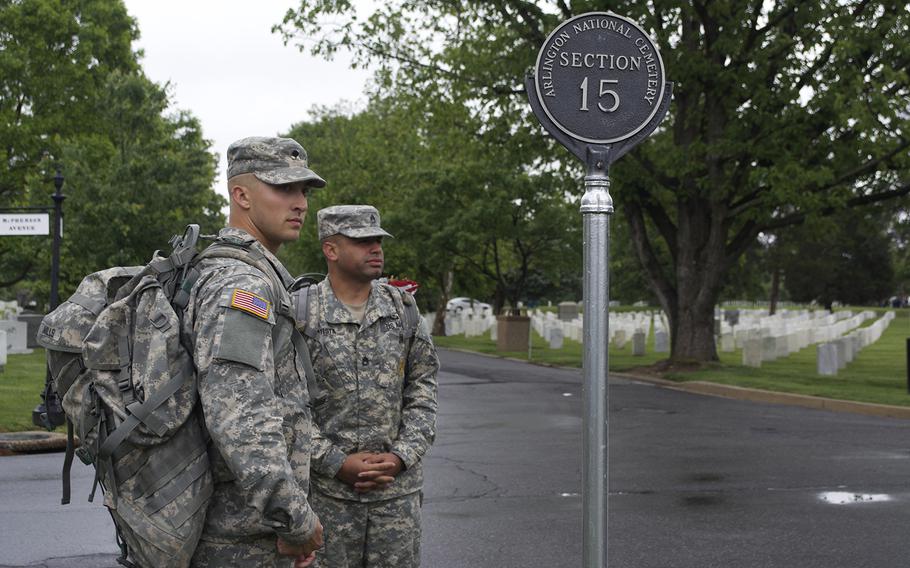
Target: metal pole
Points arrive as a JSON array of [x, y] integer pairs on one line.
[[49, 413], [596, 208], [58, 235]]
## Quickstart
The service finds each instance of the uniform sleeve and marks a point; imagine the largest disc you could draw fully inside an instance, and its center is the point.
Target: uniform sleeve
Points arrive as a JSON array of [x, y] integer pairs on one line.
[[418, 416], [326, 458], [235, 358]]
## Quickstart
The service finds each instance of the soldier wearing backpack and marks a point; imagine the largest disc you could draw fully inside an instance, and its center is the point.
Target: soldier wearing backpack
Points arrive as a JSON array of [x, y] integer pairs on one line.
[[251, 363], [374, 398]]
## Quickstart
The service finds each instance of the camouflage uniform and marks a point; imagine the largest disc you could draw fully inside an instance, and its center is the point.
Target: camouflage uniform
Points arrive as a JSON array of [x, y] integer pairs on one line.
[[253, 392], [375, 391]]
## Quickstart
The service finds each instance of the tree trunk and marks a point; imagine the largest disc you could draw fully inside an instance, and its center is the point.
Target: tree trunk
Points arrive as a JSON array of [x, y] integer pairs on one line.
[[445, 292], [692, 334], [700, 259], [775, 291]]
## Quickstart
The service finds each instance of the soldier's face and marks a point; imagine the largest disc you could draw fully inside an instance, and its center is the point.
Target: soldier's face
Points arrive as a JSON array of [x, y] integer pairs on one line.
[[278, 212], [360, 259]]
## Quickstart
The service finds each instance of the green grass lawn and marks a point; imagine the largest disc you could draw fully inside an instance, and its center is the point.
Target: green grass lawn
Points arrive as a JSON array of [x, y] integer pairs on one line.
[[21, 385], [878, 373]]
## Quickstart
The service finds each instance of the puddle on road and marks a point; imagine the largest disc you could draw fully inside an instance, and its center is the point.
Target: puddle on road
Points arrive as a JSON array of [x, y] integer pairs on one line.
[[847, 498]]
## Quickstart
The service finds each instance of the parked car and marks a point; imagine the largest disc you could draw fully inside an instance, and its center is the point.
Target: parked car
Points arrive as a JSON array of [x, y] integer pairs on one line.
[[458, 305]]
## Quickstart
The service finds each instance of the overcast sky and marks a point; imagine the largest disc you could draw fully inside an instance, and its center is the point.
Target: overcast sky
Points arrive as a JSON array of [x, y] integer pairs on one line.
[[228, 68]]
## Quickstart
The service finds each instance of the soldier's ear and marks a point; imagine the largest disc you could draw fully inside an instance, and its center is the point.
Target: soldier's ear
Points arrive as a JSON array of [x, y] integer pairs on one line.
[[241, 195], [329, 250]]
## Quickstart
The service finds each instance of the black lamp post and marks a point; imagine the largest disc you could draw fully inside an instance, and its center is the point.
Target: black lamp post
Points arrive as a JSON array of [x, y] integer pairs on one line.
[[58, 235], [49, 414]]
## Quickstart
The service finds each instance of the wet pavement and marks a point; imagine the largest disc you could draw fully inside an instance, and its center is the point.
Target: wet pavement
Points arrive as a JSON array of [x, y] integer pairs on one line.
[[695, 482]]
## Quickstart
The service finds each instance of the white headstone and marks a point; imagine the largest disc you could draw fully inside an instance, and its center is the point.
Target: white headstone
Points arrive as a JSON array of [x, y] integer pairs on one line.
[[752, 352], [768, 348], [661, 342], [849, 348], [782, 345], [2, 348], [793, 343], [16, 332], [619, 338], [556, 338], [727, 342], [638, 343], [841, 347], [826, 359]]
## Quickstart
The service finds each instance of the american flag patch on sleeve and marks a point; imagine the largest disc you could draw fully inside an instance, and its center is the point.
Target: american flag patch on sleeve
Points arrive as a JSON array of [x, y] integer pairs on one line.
[[250, 303]]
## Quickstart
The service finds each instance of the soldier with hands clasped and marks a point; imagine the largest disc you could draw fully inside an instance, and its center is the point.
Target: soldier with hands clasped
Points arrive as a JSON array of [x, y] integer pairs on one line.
[[374, 398]]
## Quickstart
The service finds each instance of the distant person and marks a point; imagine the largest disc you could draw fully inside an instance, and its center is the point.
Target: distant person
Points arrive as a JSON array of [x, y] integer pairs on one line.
[[251, 381], [374, 400]]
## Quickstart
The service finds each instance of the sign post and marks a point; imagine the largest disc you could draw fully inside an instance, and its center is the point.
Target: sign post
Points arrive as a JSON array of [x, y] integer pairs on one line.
[[599, 88]]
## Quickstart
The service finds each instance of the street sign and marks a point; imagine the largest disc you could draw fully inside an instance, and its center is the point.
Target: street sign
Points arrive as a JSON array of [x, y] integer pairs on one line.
[[599, 78], [24, 224]]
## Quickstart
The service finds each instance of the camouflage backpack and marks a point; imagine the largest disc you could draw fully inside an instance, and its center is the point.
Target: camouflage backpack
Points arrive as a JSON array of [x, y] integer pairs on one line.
[[128, 387]]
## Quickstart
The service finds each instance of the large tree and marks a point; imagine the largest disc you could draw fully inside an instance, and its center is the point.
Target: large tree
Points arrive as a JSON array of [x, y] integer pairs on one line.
[[74, 97], [55, 56], [782, 110]]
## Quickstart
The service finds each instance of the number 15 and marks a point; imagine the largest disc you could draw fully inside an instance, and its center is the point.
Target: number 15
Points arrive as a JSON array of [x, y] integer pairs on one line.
[[603, 91]]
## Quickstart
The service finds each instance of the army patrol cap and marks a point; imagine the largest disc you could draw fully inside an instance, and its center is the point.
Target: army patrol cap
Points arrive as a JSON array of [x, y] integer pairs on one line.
[[354, 221], [276, 161]]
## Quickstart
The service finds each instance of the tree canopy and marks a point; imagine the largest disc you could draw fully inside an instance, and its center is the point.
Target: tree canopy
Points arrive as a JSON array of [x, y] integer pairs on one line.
[[74, 97], [844, 258], [783, 111]]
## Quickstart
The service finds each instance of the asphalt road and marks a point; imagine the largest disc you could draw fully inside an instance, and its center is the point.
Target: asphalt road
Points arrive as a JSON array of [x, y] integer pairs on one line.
[[695, 482]]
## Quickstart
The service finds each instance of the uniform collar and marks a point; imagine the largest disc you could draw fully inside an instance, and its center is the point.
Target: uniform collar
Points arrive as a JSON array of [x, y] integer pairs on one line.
[[241, 237], [379, 305]]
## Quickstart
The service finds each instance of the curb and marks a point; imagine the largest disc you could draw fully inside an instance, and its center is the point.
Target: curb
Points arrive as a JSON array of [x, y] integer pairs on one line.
[[746, 394], [33, 441]]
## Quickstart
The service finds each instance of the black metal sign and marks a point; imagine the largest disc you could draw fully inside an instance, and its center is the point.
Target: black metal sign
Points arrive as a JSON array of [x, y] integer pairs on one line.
[[599, 78]]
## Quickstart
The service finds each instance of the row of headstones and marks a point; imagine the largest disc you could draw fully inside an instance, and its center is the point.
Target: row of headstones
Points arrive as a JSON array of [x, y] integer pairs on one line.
[[464, 322], [634, 326], [555, 328], [780, 339], [762, 345], [823, 325], [834, 355], [17, 331], [469, 324]]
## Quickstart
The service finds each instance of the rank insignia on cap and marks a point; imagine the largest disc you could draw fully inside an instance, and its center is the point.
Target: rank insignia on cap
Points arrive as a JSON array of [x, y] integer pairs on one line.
[[250, 303]]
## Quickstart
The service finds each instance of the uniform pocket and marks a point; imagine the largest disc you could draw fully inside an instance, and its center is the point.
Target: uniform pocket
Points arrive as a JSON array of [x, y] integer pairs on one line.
[[244, 339], [391, 358]]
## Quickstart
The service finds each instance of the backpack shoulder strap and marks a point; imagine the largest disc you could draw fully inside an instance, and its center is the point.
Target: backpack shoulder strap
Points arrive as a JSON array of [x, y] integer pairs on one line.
[[302, 310], [410, 315], [237, 251], [407, 310]]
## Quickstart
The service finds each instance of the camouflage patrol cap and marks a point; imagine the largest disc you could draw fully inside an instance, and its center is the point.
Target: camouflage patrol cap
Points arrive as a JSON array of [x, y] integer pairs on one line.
[[354, 221], [276, 161]]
